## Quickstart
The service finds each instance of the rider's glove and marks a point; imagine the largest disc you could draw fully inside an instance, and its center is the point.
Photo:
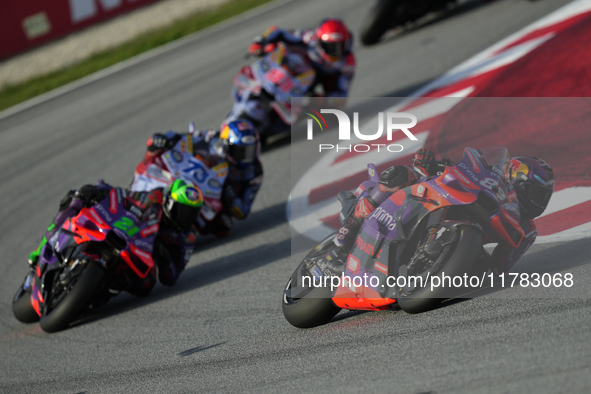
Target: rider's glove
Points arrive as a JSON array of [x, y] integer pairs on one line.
[[395, 178], [159, 142], [257, 47], [91, 194], [425, 160]]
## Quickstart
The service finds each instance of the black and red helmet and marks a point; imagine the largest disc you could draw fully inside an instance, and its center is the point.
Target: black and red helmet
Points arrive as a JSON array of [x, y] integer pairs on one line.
[[533, 180]]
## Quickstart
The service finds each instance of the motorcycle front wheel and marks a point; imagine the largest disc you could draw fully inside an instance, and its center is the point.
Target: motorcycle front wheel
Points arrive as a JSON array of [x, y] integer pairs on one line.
[[64, 303], [306, 307]]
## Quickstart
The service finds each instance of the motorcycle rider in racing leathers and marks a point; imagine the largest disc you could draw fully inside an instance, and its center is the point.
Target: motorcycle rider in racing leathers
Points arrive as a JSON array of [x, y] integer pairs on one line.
[[329, 48], [174, 208], [238, 145], [532, 179]]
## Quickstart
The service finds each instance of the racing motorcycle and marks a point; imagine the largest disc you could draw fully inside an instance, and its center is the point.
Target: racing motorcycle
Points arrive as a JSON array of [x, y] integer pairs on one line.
[[262, 90], [387, 14], [93, 256], [434, 228], [180, 163]]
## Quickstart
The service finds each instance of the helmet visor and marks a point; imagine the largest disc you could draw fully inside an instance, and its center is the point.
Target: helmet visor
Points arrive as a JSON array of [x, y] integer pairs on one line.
[[242, 153], [333, 49], [538, 194]]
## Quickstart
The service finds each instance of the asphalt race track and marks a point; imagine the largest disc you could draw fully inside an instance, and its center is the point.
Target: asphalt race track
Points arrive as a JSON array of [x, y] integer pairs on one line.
[[220, 328]]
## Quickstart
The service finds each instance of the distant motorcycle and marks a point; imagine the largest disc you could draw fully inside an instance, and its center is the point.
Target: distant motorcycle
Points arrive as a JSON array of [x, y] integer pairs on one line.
[[421, 232], [180, 163], [388, 14], [93, 256], [262, 90]]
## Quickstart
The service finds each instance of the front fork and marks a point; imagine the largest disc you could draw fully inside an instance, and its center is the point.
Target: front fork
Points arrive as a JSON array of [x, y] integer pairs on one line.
[[28, 281]]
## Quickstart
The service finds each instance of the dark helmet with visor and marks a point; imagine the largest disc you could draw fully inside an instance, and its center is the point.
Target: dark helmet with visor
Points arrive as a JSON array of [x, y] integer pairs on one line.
[[240, 141], [533, 180]]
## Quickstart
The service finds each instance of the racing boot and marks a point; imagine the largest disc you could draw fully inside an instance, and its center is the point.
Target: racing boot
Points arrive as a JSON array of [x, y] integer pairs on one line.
[[34, 255], [168, 260]]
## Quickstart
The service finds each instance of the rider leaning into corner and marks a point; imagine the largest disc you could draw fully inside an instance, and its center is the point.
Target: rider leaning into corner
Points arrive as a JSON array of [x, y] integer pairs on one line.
[[329, 48], [532, 179], [175, 208], [238, 144]]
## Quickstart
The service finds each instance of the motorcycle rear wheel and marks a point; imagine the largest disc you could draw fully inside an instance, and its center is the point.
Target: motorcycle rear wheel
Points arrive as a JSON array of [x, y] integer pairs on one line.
[[315, 306], [78, 295], [466, 249]]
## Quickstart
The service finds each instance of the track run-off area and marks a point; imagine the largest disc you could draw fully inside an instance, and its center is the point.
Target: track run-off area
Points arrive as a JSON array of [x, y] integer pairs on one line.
[[220, 328]]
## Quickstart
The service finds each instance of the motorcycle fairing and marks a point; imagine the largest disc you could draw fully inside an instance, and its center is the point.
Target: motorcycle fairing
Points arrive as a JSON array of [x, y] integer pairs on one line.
[[245, 79], [138, 260], [271, 75], [87, 226], [391, 225], [273, 80], [95, 224], [369, 261], [194, 169]]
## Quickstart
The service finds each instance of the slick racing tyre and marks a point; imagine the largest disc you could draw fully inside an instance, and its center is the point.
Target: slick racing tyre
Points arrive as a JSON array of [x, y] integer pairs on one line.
[[21, 306], [64, 303], [378, 21], [313, 309], [306, 307], [455, 257]]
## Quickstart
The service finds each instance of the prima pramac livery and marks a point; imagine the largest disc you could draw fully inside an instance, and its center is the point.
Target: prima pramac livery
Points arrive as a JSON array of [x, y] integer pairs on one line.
[[419, 235]]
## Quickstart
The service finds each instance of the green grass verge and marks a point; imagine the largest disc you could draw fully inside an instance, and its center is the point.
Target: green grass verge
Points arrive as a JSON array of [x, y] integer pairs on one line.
[[14, 94]]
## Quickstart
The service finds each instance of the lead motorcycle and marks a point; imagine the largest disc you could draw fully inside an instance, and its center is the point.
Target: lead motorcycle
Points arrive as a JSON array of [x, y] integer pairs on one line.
[[433, 228], [96, 254], [263, 90], [388, 14]]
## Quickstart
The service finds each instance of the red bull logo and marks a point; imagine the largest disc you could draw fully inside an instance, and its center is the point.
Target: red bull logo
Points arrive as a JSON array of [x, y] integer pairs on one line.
[[516, 167]]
